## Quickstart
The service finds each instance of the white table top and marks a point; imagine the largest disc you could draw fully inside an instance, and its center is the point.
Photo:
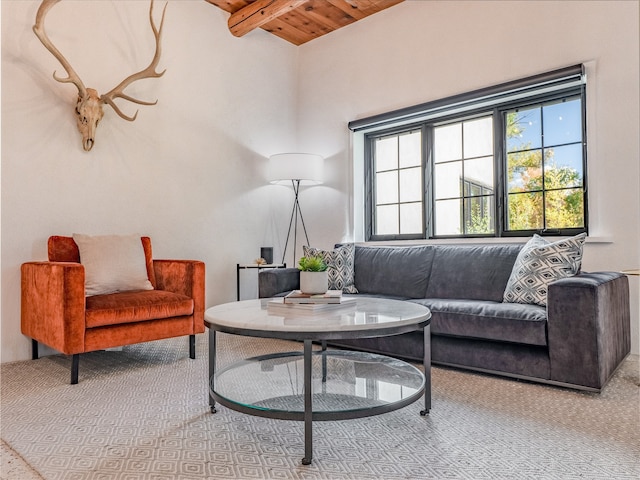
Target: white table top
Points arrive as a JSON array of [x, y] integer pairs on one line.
[[365, 317]]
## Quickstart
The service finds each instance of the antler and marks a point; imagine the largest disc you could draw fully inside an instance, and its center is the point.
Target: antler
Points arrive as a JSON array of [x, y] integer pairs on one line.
[[149, 72], [38, 29]]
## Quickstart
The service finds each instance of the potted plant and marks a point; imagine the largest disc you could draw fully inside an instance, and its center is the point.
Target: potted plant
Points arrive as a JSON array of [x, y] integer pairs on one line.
[[314, 279]]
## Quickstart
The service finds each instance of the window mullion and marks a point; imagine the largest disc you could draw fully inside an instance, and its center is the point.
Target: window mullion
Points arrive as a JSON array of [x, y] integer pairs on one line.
[[398, 186], [499, 165], [428, 198], [543, 148]]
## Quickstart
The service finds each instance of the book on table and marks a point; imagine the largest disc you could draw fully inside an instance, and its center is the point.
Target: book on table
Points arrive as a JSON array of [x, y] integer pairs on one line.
[[278, 305], [331, 296]]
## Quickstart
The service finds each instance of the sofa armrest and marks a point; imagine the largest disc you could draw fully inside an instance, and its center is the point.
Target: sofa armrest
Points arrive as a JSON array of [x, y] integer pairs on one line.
[[277, 280], [186, 277], [53, 304], [588, 327]]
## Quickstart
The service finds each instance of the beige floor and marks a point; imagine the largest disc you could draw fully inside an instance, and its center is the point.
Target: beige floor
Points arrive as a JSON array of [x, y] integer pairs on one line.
[[12, 467], [554, 425]]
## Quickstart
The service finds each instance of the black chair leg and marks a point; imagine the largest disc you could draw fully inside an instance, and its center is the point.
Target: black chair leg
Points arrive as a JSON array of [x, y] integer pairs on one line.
[[75, 363], [192, 346], [34, 349]]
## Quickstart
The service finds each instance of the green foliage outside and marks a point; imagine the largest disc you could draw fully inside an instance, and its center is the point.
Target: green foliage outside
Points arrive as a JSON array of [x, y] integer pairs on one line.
[[312, 264], [481, 221]]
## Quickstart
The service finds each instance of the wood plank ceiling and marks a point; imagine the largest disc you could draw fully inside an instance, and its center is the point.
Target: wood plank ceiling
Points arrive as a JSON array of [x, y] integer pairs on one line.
[[297, 21]]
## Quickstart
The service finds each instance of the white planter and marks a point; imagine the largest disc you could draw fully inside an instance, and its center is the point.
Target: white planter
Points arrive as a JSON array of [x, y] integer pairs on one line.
[[314, 283]]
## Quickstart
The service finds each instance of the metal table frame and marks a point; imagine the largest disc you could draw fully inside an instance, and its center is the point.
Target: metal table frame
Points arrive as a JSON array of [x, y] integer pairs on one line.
[[308, 338]]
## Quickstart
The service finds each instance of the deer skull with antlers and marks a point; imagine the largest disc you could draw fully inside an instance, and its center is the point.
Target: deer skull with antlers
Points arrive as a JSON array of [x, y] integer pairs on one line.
[[89, 107]]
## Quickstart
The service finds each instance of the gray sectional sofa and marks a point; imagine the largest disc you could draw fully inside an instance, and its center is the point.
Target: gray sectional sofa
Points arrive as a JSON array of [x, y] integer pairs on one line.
[[577, 340]]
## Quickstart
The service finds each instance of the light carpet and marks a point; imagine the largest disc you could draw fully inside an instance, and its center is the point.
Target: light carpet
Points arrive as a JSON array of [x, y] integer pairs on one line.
[[142, 413]]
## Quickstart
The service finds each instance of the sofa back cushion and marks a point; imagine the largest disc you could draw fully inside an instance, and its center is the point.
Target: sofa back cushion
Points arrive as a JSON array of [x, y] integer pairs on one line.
[[401, 271], [473, 272]]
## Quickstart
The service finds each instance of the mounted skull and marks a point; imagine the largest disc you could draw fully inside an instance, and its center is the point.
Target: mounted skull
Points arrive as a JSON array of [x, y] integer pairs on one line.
[[89, 109]]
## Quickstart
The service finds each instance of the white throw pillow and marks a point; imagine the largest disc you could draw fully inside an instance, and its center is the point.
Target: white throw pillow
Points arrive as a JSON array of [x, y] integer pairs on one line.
[[112, 263], [538, 264]]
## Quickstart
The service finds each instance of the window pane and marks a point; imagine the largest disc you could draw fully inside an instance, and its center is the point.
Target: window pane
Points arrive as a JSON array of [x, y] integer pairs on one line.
[[387, 220], [564, 208], [411, 218], [562, 122], [525, 211], [479, 172], [410, 150], [478, 137], [448, 214], [524, 171], [387, 187], [447, 180], [447, 143], [479, 215], [563, 167], [386, 153], [411, 185], [523, 129]]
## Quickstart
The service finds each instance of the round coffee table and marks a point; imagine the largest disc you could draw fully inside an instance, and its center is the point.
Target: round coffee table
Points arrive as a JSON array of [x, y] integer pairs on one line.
[[322, 384]]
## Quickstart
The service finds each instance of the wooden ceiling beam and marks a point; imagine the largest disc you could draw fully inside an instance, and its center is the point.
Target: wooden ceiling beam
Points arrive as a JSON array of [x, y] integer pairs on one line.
[[258, 13], [297, 21]]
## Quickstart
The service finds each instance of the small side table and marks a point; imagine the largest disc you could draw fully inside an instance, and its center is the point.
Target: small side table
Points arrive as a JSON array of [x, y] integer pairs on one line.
[[247, 266]]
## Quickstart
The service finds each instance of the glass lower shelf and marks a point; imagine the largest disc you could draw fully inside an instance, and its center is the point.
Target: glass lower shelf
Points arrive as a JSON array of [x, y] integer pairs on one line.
[[348, 384]]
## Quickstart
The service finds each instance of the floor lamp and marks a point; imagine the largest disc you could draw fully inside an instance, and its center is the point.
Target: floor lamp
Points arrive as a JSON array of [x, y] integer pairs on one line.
[[296, 169]]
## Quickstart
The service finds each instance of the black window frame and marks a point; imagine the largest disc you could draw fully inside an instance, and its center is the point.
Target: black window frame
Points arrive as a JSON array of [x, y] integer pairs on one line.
[[442, 113]]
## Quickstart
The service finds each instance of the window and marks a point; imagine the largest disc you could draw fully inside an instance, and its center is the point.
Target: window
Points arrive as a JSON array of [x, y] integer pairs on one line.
[[398, 184], [544, 166], [463, 179], [508, 160]]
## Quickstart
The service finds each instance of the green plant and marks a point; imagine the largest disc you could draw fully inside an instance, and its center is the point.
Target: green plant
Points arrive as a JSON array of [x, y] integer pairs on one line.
[[312, 264]]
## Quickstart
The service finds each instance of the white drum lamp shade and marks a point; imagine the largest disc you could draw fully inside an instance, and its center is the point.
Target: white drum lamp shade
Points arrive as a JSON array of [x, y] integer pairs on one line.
[[304, 167]]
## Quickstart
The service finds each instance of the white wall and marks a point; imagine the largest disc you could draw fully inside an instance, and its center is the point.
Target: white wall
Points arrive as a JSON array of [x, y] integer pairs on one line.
[[189, 171], [425, 50]]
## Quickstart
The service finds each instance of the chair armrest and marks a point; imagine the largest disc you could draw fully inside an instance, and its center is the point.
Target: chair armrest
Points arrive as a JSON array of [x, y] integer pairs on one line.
[[277, 280], [588, 327], [186, 277], [53, 304]]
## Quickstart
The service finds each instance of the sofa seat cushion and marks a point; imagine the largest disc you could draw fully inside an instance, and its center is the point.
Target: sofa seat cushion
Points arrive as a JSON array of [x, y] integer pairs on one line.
[[483, 319], [135, 306]]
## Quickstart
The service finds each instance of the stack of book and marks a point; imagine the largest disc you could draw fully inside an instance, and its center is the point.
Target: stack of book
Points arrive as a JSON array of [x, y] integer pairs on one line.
[[299, 302]]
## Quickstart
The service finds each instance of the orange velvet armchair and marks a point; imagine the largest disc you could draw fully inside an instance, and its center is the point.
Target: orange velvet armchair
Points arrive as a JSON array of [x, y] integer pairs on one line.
[[56, 312]]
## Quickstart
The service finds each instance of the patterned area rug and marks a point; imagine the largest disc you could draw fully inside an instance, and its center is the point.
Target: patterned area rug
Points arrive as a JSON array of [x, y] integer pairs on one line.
[[142, 413]]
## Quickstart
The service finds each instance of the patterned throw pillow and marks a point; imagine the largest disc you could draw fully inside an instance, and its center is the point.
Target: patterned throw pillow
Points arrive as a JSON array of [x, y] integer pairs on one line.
[[340, 262], [538, 264]]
